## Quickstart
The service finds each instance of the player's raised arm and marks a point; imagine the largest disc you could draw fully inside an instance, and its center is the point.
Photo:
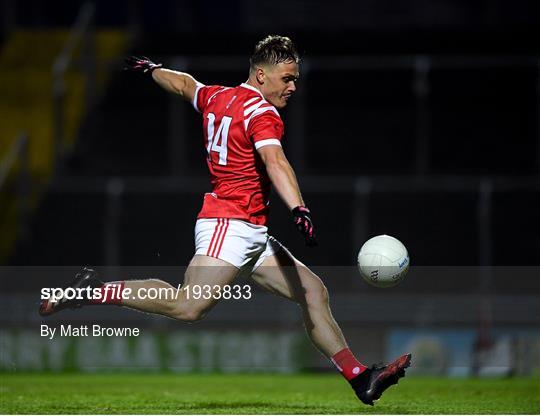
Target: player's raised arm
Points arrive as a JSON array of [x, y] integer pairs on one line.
[[172, 81], [284, 180]]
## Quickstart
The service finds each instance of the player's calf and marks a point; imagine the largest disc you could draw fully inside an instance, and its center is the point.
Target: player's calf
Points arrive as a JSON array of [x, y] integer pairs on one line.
[[315, 294]]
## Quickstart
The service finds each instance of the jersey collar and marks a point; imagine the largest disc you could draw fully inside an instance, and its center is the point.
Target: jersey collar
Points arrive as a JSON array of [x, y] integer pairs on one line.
[[250, 87]]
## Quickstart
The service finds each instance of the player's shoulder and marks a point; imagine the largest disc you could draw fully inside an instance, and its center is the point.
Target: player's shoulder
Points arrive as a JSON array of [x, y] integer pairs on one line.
[[206, 94], [211, 91], [253, 102], [250, 95]]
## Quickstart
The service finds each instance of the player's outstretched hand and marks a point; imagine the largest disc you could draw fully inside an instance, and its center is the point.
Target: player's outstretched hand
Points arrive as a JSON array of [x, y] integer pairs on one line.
[[304, 223], [140, 64]]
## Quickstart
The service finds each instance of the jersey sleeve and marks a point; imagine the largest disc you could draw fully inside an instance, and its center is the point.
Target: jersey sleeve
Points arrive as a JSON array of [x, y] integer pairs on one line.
[[203, 94], [266, 128]]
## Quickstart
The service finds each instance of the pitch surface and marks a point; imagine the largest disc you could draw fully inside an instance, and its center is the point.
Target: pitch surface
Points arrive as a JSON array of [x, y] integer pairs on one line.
[[257, 394]]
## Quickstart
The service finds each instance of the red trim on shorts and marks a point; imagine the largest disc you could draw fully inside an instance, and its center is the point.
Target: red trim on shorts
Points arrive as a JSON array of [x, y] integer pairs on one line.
[[220, 236], [223, 237], [213, 236]]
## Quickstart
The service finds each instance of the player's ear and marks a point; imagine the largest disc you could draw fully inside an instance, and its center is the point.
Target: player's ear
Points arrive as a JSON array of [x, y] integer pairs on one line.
[[260, 75]]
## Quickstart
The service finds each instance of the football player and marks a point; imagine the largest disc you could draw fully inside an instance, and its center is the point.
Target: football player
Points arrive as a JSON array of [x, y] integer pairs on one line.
[[243, 132]]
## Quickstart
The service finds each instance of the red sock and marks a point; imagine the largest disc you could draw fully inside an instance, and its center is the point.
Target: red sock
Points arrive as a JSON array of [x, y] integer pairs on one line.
[[110, 294], [347, 364]]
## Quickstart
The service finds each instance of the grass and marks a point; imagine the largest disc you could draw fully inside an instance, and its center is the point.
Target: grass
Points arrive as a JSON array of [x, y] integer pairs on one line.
[[256, 394]]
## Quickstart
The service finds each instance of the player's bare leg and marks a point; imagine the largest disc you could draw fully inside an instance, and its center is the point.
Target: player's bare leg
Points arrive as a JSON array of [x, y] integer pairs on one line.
[[202, 271], [284, 275], [173, 303]]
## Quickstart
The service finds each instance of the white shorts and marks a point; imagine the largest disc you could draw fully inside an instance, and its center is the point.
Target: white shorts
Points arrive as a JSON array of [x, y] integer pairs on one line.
[[238, 242]]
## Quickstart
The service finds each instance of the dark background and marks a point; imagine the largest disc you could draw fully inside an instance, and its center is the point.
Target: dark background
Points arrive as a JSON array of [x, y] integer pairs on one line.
[[430, 109]]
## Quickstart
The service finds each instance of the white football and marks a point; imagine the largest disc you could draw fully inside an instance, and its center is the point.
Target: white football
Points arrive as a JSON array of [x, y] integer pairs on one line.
[[383, 261]]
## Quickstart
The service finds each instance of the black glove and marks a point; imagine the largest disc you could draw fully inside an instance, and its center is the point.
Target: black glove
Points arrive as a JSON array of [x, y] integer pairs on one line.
[[304, 223], [140, 64]]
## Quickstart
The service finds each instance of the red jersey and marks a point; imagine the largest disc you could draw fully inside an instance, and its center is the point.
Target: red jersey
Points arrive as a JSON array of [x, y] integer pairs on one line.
[[236, 122]]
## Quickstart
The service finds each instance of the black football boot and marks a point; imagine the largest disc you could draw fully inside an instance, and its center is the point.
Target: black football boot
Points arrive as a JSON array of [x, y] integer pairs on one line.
[[86, 278], [372, 382]]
